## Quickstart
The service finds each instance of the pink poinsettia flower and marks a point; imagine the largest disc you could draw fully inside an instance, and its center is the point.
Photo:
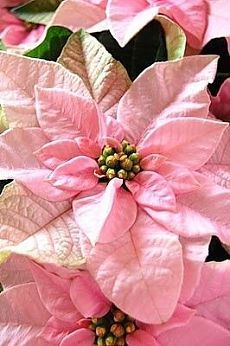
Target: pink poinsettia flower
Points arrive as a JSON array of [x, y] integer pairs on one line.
[[201, 20], [15, 32], [70, 310], [135, 211], [145, 161]]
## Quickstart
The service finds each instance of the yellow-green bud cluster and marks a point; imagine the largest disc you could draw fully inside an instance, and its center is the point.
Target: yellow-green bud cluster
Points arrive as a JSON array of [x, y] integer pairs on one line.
[[122, 162], [111, 330]]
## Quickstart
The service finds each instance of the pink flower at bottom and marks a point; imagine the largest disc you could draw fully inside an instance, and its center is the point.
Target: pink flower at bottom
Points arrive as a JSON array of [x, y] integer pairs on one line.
[[15, 32], [70, 310]]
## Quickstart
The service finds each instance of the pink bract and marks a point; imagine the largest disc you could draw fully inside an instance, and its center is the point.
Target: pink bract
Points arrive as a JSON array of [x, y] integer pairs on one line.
[[124, 231], [55, 310], [87, 14]]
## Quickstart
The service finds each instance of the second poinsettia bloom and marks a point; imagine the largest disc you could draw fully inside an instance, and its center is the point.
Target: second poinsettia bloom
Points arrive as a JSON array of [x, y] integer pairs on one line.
[[201, 20], [14, 31]]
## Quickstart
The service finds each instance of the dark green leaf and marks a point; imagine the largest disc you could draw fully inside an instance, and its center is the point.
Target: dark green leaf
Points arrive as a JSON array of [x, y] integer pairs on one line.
[[51, 47], [219, 46], [143, 50]]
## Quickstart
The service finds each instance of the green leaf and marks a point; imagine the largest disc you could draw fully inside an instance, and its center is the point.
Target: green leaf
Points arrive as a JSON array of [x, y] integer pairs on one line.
[[105, 77], [37, 11], [174, 36], [2, 46], [50, 48]]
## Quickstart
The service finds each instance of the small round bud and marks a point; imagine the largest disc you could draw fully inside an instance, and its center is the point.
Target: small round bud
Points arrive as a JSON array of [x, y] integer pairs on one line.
[[100, 331], [117, 156], [131, 175], [127, 164], [130, 149], [103, 169], [111, 161], [101, 160], [117, 330], [135, 157], [122, 174], [124, 144], [130, 327], [111, 173], [110, 340], [123, 157], [136, 169], [108, 151], [100, 341], [120, 342], [118, 316]]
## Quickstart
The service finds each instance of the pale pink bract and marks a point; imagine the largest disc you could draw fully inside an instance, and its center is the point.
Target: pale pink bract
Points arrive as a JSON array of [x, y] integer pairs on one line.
[[77, 14]]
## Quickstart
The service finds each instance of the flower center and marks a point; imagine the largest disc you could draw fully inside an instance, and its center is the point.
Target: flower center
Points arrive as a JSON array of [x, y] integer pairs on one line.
[[112, 329], [122, 162]]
